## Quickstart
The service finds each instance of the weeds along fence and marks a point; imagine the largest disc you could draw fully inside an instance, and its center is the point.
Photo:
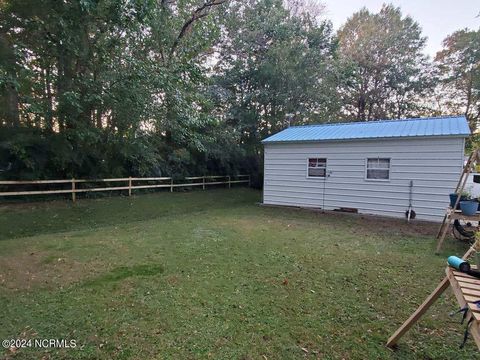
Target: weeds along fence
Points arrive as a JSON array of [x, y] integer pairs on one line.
[[75, 186]]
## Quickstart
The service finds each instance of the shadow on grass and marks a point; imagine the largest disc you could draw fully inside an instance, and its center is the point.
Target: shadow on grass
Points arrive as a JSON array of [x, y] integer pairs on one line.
[[53, 217], [124, 272]]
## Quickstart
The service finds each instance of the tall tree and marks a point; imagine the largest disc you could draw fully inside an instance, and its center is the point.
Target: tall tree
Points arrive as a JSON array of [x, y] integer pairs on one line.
[[104, 87], [273, 64], [9, 103], [458, 64], [383, 67]]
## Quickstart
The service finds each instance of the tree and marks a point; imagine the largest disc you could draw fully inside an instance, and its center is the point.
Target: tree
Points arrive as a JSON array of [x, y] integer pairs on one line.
[[105, 88], [382, 65], [458, 64], [272, 63]]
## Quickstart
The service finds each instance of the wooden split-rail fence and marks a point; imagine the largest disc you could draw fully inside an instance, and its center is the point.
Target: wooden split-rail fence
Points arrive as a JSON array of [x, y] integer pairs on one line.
[[130, 184]]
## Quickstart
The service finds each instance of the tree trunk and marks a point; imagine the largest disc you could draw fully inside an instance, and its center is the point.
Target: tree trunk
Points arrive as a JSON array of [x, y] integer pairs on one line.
[[48, 91], [11, 101]]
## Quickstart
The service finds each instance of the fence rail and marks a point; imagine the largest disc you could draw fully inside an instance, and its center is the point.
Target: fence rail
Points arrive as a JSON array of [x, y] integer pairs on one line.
[[165, 182]]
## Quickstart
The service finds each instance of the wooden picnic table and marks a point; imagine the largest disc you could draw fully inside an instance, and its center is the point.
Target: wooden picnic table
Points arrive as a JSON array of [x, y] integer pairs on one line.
[[466, 289]]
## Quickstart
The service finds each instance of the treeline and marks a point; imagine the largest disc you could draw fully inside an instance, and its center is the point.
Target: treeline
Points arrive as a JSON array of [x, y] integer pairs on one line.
[[106, 88]]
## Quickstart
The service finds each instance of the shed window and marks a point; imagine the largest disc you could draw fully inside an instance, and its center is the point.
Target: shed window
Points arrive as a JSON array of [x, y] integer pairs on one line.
[[378, 169], [317, 167]]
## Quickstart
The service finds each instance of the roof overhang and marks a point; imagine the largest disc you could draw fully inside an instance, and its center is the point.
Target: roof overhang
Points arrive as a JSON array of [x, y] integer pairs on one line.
[[461, 136]]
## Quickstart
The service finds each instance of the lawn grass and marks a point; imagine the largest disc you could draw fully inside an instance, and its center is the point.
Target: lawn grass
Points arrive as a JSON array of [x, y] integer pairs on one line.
[[213, 275]]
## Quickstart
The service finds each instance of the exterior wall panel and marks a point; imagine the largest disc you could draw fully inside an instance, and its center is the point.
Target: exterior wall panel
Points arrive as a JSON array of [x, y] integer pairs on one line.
[[433, 164]]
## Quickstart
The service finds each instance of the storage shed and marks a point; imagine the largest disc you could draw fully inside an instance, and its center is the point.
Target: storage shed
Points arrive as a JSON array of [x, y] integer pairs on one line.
[[372, 167]]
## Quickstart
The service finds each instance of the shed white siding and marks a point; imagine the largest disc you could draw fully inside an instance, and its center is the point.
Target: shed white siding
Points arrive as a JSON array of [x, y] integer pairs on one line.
[[433, 164]]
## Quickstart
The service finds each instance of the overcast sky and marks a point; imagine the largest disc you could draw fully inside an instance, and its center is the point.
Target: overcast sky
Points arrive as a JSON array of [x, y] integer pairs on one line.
[[438, 18]]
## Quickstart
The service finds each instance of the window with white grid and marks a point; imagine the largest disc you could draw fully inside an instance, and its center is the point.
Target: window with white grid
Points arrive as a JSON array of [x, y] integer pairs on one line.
[[317, 167], [378, 169]]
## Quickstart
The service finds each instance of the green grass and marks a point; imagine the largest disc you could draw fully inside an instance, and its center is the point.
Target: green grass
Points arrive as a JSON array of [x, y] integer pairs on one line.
[[213, 275]]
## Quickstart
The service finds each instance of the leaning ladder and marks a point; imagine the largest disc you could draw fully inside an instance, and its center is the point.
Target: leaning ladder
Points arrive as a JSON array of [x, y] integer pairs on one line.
[[447, 219]]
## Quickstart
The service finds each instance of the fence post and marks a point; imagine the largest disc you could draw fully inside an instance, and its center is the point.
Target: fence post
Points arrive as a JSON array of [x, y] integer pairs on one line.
[[248, 180], [229, 183], [129, 186], [73, 190], [171, 184], [203, 182]]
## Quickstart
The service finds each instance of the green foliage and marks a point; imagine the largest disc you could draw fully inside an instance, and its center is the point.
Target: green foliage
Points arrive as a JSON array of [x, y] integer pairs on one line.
[[383, 68], [103, 88], [458, 64], [108, 88], [272, 64]]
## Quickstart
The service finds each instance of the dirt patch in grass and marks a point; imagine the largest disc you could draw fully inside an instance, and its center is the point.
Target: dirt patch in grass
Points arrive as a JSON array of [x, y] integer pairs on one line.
[[361, 225], [40, 269], [397, 227], [365, 223]]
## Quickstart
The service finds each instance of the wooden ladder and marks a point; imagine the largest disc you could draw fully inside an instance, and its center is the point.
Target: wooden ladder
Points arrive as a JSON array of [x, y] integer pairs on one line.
[[447, 218]]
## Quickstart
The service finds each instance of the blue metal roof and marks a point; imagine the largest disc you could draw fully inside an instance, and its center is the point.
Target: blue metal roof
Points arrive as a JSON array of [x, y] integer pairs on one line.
[[435, 126]]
